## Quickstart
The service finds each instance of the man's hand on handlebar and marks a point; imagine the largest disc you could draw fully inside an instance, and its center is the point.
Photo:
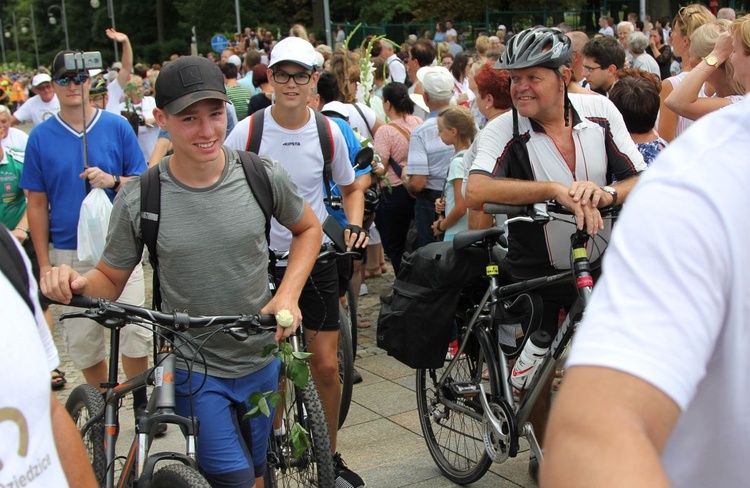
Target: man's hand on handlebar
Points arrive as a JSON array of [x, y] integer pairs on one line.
[[587, 214], [59, 284], [277, 304], [356, 238], [586, 191]]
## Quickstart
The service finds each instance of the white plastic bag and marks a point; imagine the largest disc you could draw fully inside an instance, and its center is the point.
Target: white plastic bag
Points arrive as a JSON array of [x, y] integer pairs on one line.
[[92, 226]]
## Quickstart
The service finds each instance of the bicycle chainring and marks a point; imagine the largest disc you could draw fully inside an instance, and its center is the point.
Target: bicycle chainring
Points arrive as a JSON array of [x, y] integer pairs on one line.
[[504, 443]]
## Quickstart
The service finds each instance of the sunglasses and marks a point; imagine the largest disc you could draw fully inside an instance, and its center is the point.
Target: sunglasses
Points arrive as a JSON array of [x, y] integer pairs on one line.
[[687, 11], [77, 79]]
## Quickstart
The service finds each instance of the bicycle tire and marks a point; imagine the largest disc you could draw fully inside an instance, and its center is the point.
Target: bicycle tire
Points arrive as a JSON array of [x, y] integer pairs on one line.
[[178, 476], [351, 304], [453, 437], [84, 403], [314, 468], [346, 365]]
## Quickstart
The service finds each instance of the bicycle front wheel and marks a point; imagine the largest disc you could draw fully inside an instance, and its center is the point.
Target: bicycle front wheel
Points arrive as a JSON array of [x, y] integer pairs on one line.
[[346, 365], [178, 475], [451, 414], [314, 466], [84, 403]]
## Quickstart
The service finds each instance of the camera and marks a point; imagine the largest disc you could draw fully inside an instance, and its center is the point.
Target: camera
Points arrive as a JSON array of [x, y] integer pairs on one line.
[[82, 61]]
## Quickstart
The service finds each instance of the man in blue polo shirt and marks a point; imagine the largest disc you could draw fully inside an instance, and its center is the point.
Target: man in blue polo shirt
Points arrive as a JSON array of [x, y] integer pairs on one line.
[[429, 156], [55, 177]]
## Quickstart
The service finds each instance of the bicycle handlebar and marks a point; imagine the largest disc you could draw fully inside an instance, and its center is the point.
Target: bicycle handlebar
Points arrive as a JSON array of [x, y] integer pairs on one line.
[[537, 211], [178, 321]]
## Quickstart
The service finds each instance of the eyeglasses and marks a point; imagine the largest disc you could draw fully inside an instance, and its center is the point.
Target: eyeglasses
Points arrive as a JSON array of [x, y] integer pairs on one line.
[[589, 69], [284, 77], [77, 79]]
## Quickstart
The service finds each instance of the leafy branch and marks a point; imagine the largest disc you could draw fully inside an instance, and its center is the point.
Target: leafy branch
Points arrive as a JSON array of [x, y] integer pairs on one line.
[[296, 369]]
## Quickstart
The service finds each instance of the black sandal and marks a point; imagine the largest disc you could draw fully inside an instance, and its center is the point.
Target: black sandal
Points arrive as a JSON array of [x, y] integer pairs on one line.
[[58, 379]]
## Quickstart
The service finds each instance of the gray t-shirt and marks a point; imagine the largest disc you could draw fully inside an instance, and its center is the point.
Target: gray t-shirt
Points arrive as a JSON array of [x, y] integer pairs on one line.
[[212, 252]]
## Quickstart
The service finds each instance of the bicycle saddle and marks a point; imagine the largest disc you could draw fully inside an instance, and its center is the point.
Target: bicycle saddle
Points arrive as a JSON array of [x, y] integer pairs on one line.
[[468, 237]]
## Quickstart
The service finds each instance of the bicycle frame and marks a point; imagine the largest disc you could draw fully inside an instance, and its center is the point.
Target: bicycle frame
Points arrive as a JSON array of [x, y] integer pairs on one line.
[[161, 404], [494, 297]]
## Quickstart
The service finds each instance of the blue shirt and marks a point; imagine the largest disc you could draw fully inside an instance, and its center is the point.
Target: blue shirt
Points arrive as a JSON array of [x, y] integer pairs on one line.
[[352, 143], [428, 155], [54, 159]]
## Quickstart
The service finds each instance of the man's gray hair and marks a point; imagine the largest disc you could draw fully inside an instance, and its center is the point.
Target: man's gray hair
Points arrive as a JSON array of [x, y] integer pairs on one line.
[[626, 23]]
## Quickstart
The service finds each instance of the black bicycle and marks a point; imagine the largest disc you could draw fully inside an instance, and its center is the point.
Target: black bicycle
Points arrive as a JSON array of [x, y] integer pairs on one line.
[[467, 410], [140, 467]]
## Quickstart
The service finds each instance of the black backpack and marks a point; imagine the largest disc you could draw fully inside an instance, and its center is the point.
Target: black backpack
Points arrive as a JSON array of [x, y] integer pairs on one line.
[[13, 267], [255, 135], [257, 178]]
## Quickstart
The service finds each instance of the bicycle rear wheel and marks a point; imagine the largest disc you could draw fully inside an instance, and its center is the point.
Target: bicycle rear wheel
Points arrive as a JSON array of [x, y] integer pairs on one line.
[[178, 475], [314, 467], [346, 365], [451, 414], [84, 403]]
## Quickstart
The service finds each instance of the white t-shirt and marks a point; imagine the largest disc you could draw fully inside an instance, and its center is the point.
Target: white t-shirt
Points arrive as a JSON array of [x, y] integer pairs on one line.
[[115, 94], [363, 125], [672, 306], [396, 69], [646, 62], [36, 110], [16, 139], [147, 136], [300, 154], [27, 354]]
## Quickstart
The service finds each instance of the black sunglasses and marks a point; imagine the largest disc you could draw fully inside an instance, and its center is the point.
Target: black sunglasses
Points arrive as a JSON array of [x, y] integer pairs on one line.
[[77, 79]]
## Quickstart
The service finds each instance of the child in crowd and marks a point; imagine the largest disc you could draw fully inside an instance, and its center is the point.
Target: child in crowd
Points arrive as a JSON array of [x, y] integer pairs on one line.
[[456, 128]]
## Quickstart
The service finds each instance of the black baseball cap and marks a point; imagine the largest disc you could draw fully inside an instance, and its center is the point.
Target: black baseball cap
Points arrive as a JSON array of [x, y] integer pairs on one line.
[[58, 65], [187, 80]]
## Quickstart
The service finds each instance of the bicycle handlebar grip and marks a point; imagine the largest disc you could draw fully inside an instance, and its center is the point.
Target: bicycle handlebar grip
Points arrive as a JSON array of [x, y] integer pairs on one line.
[[509, 210], [81, 301], [267, 319]]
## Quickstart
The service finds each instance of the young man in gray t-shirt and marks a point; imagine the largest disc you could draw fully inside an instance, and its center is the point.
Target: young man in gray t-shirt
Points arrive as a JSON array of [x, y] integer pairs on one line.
[[212, 260]]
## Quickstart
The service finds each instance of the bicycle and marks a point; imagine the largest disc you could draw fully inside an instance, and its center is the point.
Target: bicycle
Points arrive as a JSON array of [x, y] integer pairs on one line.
[[468, 414], [97, 418]]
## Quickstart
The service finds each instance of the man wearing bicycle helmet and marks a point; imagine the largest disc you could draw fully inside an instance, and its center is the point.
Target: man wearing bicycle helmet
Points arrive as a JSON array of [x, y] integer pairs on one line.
[[552, 146], [98, 96]]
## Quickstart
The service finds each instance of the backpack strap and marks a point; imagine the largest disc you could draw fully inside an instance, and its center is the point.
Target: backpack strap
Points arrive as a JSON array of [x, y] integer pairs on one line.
[[150, 208], [255, 132], [260, 185], [14, 268], [326, 146]]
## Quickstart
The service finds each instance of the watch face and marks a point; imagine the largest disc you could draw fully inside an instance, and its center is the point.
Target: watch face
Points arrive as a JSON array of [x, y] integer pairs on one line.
[[711, 60]]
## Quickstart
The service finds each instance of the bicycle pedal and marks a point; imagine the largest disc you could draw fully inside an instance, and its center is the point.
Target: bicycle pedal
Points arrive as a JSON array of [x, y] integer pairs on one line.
[[466, 390]]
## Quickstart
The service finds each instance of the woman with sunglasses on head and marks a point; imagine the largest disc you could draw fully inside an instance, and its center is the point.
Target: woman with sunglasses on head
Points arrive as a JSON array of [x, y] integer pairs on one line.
[[687, 20], [712, 45]]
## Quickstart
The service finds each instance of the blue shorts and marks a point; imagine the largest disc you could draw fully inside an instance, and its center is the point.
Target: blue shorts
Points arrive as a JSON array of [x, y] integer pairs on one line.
[[231, 452]]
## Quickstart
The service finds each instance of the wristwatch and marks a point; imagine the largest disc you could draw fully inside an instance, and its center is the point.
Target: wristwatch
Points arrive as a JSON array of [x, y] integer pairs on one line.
[[116, 183], [711, 60], [613, 192]]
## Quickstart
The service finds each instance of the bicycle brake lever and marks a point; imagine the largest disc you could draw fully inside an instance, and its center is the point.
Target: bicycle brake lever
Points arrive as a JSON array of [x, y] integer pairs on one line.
[[238, 333], [74, 315]]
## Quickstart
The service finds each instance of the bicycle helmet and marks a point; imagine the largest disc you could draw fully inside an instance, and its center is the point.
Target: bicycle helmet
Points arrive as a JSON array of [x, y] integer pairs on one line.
[[537, 46], [98, 88]]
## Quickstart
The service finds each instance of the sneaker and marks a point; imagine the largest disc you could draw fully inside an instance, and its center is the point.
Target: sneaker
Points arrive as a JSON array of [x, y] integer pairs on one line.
[[534, 467], [345, 477], [356, 377], [363, 290], [161, 428], [452, 350]]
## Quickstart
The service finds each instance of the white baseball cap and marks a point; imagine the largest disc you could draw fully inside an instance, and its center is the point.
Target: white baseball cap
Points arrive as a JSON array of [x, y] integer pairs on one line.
[[294, 50], [40, 78], [437, 81], [235, 60]]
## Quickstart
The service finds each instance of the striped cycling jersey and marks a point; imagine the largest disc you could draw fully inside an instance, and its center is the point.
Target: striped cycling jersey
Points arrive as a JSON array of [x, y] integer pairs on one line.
[[604, 153]]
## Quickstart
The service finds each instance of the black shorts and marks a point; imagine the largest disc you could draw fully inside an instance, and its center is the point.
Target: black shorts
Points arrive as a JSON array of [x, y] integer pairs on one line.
[[28, 246], [345, 269], [319, 301]]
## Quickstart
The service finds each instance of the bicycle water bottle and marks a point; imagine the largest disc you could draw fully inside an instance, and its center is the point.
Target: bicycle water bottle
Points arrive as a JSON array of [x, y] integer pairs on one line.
[[529, 360]]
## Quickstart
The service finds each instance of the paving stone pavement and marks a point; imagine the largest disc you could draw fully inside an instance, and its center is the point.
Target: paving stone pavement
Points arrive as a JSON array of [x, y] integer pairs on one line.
[[381, 439]]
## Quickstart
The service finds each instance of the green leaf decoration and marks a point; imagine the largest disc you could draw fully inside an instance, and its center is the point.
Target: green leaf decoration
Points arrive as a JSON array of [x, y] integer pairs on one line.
[[298, 372], [300, 441], [302, 355], [268, 350]]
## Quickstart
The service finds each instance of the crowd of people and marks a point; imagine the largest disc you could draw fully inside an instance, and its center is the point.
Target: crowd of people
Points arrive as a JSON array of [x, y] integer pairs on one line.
[[546, 114]]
